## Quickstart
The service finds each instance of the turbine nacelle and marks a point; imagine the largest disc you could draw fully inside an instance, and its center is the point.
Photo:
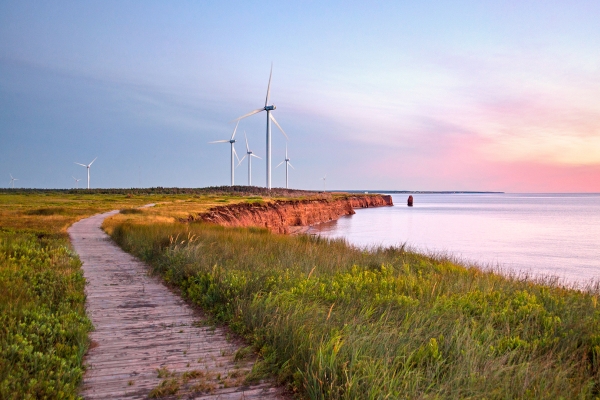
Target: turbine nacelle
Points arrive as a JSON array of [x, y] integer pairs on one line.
[[270, 108]]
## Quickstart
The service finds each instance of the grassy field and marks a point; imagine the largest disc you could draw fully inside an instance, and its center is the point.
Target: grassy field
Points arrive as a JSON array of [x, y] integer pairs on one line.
[[329, 320], [43, 326], [336, 322]]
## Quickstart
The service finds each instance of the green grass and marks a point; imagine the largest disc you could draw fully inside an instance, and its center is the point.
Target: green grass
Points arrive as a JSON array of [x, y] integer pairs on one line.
[[337, 322], [43, 326], [329, 320]]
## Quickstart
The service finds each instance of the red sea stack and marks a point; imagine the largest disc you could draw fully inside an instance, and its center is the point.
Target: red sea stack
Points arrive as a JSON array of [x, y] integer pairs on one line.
[[410, 201]]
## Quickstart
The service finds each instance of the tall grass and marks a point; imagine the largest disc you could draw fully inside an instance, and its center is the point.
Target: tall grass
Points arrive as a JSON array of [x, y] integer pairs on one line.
[[43, 327], [333, 321]]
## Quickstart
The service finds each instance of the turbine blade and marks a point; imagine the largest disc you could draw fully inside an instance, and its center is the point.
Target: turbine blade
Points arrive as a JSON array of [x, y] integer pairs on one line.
[[83, 165], [236, 125], [216, 141], [269, 87], [92, 162], [290, 164], [235, 152], [274, 120], [242, 159], [286, 151], [280, 164], [247, 147], [249, 114], [254, 155]]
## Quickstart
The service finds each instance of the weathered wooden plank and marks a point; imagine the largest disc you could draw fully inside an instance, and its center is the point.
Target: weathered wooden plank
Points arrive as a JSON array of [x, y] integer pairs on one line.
[[141, 326]]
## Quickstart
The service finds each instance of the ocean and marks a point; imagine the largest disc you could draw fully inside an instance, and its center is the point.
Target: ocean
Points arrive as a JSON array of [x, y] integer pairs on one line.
[[538, 234]]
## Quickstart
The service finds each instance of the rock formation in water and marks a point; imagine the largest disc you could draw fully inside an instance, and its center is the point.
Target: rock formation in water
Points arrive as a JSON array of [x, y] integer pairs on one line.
[[281, 216], [410, 201]]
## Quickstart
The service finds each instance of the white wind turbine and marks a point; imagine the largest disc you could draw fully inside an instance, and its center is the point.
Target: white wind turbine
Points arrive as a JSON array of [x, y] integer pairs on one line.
[[76, 182], [287, 163], [249, 154], [324, 183], [233, 153], [88, 169], [12, 181], [268, 108]]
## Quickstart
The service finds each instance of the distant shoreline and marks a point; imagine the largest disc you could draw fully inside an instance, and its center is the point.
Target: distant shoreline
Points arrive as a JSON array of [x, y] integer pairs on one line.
[[420, 191]]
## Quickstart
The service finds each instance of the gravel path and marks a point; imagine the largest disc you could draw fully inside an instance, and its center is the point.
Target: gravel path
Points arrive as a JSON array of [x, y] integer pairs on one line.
[[143, 330]]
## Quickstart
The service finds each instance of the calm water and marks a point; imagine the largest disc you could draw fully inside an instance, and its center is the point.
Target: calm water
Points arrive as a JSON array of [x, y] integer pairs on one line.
[[550, 234]]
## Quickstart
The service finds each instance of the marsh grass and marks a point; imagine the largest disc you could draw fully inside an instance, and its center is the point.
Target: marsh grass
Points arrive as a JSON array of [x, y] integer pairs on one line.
[[338, 322]]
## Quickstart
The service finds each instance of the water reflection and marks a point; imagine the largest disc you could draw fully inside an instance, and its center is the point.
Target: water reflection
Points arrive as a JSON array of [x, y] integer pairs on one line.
[[547, 234]]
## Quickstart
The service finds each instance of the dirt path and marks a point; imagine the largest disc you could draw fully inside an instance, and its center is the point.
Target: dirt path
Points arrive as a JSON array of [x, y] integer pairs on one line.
[[141, 327]]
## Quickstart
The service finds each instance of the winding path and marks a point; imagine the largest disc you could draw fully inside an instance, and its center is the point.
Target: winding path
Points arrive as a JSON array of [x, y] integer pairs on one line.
[[143, 330]]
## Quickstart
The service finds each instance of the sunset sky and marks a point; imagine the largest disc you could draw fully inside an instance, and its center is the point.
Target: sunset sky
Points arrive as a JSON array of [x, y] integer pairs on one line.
[[481, 95]]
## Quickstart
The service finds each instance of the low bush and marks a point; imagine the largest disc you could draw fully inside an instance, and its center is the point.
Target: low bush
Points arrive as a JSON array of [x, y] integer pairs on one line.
[[47, 211], [131, 211]]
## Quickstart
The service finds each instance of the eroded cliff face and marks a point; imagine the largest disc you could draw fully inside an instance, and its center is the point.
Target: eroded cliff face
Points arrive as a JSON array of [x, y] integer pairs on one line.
[[285, 216]]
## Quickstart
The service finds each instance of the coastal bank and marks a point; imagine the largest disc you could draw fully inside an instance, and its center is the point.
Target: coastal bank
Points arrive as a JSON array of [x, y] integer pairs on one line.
[[290, 216]]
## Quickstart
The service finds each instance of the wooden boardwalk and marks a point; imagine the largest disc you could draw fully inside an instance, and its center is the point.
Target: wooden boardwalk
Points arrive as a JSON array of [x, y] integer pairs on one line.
[[146, 337]]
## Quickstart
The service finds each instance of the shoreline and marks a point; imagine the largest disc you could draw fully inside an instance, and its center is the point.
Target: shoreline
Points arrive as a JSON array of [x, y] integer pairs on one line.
[[289, 216]]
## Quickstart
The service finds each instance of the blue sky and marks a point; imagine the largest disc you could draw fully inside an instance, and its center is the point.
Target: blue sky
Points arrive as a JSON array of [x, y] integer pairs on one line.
[[390, 95]]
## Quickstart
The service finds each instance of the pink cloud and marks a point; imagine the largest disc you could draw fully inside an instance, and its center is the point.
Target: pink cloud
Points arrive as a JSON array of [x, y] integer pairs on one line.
[[459, 171], [453, 161]]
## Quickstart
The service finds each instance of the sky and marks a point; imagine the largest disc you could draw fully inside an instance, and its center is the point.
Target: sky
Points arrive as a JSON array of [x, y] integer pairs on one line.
[[429, 95]]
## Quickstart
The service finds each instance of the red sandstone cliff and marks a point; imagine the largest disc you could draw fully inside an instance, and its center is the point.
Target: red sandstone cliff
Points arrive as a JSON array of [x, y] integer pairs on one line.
[[281, 215]]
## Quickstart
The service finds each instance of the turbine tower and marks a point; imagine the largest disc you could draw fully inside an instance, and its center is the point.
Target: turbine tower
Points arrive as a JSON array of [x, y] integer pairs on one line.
[[233, 153], [12, 181], [76, 182], [268, 108], [88, 169], [287, 163], [249, 154], [324, 183]]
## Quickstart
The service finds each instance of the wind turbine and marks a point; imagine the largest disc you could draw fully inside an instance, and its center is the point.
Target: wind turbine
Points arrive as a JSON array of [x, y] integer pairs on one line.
[[287, 162], [88, 169], [233, 153], [76, 182], [12, 181], [249, 154], [324, 183], [268, 108]]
